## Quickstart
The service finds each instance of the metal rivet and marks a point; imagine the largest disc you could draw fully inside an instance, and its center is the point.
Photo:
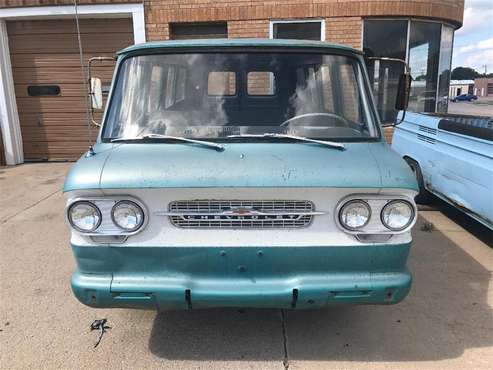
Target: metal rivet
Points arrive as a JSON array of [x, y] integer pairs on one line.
[[222, 253], [241, 268], [260, 253], [242, 156]]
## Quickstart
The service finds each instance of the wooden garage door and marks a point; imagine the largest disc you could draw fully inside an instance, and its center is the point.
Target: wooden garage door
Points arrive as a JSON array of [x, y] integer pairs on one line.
[[51, 99]]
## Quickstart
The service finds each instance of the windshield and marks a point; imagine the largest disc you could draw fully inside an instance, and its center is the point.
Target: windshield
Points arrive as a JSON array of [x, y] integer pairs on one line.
[[216, 95]]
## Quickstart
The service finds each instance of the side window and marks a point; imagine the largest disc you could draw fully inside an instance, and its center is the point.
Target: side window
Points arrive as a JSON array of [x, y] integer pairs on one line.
[[349, 91], [181, 84], [327, 88], [170, 87], [306, 98], [155, 89], [261, 83], [221, 83]]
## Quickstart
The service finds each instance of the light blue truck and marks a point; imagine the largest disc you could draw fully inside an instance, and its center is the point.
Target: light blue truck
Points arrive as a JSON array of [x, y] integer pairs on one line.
[[452, 158]]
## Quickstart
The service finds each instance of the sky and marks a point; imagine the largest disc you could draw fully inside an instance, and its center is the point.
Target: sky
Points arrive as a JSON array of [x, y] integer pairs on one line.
[[473, 43]]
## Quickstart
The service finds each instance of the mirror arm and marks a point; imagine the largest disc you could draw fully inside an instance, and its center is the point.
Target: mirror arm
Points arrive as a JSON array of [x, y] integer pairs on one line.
[[388, 59], [89, 66]]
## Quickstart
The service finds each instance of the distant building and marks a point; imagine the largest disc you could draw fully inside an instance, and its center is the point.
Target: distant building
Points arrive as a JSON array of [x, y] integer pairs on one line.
[[458, 87], [483, 87]]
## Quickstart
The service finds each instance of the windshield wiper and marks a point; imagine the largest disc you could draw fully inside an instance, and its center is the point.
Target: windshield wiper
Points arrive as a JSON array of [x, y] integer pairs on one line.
[[208, 144], [330, 144]]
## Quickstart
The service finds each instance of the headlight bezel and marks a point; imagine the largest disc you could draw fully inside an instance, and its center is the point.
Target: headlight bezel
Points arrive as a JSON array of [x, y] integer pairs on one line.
[[105, 204], [346, 205], [376, 203], [390, 203], [91, 205], [132, 203]]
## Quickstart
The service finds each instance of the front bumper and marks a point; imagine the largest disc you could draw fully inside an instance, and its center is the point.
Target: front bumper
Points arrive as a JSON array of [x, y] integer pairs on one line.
[[276, 277]]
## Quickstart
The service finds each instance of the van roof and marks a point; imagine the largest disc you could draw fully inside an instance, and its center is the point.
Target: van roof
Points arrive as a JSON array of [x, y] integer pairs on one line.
[[231, 43]]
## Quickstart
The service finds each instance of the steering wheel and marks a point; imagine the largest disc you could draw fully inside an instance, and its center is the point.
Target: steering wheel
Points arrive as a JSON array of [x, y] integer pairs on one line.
[[342, 120]]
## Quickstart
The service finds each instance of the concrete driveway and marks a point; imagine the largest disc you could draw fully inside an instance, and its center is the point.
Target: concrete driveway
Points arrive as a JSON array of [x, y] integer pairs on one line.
[[446, 322]]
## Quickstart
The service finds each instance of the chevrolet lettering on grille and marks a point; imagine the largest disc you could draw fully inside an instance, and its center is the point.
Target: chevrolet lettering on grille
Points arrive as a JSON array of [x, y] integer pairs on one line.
[[215, 214]]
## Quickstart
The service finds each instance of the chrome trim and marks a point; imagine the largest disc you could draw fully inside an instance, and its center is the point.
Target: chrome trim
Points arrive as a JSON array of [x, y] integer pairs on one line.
[[361, 201], [232, 213], [92, 205], [106, 214], [375, 225], [240, 214], [390, 203], [112, 213]]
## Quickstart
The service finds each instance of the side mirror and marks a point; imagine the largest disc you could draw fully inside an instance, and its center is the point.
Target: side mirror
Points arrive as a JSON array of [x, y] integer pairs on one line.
[[96, 93], [95, 88], [387, 82], [403, 92]]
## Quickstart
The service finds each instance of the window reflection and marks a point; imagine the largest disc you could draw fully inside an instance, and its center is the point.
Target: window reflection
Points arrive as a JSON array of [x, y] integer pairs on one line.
[[424, 52], [384, 76], [444, 69], [428, 51]]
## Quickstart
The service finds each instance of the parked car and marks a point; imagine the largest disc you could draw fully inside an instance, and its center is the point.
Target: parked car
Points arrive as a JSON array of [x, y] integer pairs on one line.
[[244, 173], [452, 158], [464, 97]]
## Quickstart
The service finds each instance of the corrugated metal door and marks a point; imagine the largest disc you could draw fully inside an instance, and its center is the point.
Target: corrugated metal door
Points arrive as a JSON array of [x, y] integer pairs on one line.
[[48, 82]]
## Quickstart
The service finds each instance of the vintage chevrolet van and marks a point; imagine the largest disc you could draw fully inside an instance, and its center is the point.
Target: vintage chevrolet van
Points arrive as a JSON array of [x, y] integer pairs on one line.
[[240, 173]]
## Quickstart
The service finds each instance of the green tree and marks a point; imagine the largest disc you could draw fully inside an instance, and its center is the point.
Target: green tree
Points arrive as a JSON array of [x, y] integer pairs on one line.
[[465, 73]]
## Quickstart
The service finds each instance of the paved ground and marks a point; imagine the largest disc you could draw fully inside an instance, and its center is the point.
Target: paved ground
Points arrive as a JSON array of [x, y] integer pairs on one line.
[[446, 322], [479, 108]]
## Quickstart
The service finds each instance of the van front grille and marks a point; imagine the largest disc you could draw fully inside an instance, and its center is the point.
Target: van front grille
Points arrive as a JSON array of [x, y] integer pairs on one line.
[[241, 214]]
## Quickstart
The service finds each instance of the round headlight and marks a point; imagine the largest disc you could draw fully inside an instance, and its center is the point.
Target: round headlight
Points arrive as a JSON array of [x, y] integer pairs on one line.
[[127, 215], [355, 214], [84, 216], [397, 215]]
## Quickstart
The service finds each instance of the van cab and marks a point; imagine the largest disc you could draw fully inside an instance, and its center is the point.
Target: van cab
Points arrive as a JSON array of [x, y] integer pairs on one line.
[[240, 173]]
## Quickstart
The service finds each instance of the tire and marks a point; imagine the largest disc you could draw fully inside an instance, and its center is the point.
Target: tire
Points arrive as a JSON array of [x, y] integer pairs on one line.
[[424, 196]]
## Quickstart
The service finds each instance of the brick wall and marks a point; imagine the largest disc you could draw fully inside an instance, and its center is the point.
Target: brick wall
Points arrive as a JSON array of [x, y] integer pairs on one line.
[[22, 3], [253, 28], [250, 18], [344, 30], [481, 84]]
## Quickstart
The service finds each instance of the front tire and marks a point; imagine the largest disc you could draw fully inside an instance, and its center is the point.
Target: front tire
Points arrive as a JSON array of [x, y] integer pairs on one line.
[[424, 196]]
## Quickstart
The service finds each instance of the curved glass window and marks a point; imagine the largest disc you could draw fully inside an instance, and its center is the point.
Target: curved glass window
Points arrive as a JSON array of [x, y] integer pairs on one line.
[[385, 38], [426, 46], [444, 68], [424, 54]]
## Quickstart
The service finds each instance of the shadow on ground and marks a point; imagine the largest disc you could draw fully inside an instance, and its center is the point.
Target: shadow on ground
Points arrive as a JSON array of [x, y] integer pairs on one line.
[[445, 314]]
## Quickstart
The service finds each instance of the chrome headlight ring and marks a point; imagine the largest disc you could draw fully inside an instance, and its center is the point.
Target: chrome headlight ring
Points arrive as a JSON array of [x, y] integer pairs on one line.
[[376, 203], [407, 215], [361, 214], [127, 215], [107, 225], [80, 213]]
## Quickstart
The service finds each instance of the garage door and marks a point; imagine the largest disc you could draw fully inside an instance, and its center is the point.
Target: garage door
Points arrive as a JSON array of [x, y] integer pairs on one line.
[[50, 94]]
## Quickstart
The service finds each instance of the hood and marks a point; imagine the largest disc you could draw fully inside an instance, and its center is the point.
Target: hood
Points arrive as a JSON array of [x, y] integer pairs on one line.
[[158, 165]]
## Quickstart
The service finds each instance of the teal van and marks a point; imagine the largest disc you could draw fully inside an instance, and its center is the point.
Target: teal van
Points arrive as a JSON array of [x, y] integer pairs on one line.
[[240, 173]]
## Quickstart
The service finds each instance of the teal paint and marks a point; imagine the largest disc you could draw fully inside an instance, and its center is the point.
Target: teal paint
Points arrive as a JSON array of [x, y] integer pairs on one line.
[[165, 165], [236, 43], [157, 277]]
